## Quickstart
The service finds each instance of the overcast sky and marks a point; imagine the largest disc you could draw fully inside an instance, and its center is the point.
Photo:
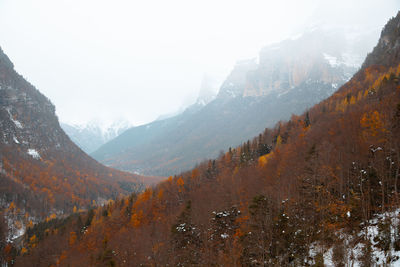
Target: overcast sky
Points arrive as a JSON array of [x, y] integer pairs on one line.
[[137, 60]]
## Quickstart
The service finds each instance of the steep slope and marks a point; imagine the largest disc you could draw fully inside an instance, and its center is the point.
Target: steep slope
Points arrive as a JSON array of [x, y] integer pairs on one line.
[[41, 170], [89, 137], [319, 189], [290, 77]]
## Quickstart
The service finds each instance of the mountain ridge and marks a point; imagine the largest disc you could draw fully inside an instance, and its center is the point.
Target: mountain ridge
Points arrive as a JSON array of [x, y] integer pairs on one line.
[[255, 95]]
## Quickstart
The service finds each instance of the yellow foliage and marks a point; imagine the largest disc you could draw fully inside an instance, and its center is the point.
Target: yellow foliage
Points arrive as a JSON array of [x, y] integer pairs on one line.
[[160, 194], [136, 219], [238, 233], [373, 123], [341, 105], [180, 184], [278, 140], [145, 196], [263, 160], [72, 238], [62, 257], [51, 217], [195, 173], [12, 206], [33, 239], [23, 250], [352, 100]]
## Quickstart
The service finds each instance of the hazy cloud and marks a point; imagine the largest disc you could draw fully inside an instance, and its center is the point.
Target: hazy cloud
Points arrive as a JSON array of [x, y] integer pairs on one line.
[[140, 59]]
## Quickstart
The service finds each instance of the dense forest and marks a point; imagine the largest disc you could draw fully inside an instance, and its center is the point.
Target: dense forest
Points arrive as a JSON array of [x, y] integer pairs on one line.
[[323, 183]]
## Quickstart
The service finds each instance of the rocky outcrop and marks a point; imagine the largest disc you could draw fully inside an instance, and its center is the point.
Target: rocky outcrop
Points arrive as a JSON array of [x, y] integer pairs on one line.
[[387, 51], [234, 84]]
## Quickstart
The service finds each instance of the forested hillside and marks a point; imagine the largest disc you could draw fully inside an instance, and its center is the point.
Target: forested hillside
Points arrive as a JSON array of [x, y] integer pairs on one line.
[[42, 172], [320, 187]]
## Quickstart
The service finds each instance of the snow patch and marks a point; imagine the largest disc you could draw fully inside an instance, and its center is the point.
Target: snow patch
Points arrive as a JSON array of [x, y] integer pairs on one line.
[[346, 59], [333, 61], [352, 60], [33, 153], [224, 235], [17, 123], [372, 233]]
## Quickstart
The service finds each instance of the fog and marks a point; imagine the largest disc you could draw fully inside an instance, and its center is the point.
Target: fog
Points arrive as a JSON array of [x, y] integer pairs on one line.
[[137, 60]]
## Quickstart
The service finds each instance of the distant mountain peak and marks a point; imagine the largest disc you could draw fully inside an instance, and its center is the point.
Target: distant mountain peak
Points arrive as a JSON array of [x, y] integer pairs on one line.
[[208, 90], [91, 135]]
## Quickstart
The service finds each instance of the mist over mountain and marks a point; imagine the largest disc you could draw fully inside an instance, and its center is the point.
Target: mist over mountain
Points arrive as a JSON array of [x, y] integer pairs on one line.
[[90, 136], [287, 78]]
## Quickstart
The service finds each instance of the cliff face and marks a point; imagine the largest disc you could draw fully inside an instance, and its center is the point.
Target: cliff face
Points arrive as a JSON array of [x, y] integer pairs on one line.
[[236, 81], [293, 62], [318, 56], [387, 51], [27, 118]]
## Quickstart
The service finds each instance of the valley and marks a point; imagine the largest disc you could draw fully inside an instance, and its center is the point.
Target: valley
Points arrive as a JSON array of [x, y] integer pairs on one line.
[[294, 161]]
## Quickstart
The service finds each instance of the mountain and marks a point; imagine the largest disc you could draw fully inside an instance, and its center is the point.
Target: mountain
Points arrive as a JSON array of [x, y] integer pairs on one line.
[[320, 189], [90, 136], [42, 171], [290, 77]]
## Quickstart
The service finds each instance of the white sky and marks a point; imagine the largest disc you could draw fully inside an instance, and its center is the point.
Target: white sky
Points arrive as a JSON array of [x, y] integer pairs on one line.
[[136, 60]]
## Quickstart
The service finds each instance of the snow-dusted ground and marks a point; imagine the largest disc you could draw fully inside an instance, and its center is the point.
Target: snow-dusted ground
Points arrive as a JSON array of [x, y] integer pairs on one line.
[[354, 254], [346, 60], [33, 152], [18, 124]]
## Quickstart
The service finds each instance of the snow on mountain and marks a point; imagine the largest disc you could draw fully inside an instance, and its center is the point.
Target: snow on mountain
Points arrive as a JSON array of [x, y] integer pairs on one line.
[[33, 153], [208, 90], [90, 136]]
